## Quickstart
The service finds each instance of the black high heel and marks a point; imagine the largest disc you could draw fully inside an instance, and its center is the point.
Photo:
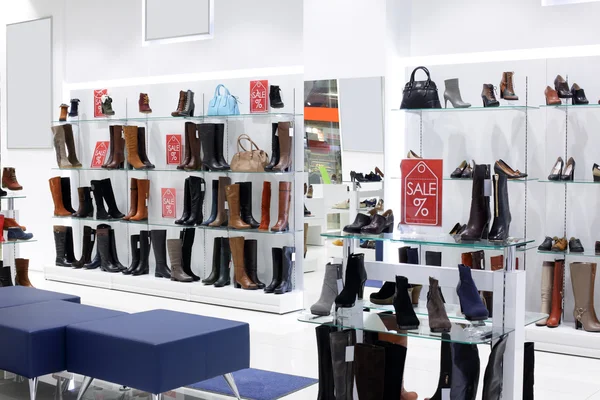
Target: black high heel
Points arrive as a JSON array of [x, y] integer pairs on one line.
[[569, 171], [354, 284], [556, 172]]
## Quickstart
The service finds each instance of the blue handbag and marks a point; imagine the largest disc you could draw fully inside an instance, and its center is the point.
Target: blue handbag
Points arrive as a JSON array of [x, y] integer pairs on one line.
[[223, 104]]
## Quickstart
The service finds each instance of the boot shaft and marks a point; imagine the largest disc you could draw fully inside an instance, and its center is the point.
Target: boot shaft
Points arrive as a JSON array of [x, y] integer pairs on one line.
[[285, 197], [74, 108], [175, 255]]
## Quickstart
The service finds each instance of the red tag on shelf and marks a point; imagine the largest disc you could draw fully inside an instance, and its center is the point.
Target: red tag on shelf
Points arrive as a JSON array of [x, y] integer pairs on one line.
[[100, 152], [169, 201], [259, 96], [421, 201], [98, 102], [173, 149]]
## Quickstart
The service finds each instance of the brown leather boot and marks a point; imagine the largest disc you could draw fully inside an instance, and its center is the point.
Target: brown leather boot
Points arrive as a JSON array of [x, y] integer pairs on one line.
[[64, 109], [221, 218], [507, 90], [144, 104], [131, 142], [133, 199], [265, 207], [12, 223], [285, 196], [111, 146], [117, 146], [143, 194], [60, 147], [466, 259], [233, 200], [583, 276], [9, 179], [285, 147], [55, 189], [186, 147], [142, 147], [557, 294], [241, 279], [180, 104], [194, 144], [70, 142], [22, 277]]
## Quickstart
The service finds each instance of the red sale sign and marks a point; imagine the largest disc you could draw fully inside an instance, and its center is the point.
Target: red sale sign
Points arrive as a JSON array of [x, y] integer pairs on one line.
[[422, 182], [99, 156], [259, 96], [169, 200], [173, 149], [98, 102]]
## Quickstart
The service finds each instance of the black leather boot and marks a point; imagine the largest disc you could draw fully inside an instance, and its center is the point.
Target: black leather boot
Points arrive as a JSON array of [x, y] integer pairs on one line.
[[87, 247], [354, 284], [395, 359], [494, 373], [159, 244], [186, 203], [246, 204], [86, 207], [113, 252], [287, 270], [385, 296], [405, 314], [109, 197], [142, 148], [219, 139], [501, 211], [187, 240], [343, 371], [101, 212], [197, 188], [369, 366], [135, 254], [277, 254], [69, 252], [104, 248], [214, 206], [528, 370], [445, 370], [465, 371], [5, 276], [143, 266], [275, 97], [274, 148], [216, 263], [65, 188], [433, 258], [224, 261], [479, 217], [60, 238], [326, 385], [97, 258], [250, 257], [207, 140]]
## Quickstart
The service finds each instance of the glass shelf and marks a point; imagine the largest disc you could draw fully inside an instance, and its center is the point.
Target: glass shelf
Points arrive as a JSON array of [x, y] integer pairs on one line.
[[151, 118], [87, 120], [523, 180], [571, 106], [174, 169], [255, 115], [569, 254], [576, 181], [13, 196], [477, 108], [430, 240], [9, 242]]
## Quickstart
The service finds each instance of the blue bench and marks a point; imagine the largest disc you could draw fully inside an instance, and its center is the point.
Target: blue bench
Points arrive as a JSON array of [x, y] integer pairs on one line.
[[19, 295], [158, 351]]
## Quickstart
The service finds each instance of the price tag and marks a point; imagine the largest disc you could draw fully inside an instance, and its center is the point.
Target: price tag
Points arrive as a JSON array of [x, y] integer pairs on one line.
[[146, 202], [293, 257], [227, 205], [169, 202], [445, 394], [93, 237], [340, 285], [291, 132], [349, 353], [487, 187], [99, 156]]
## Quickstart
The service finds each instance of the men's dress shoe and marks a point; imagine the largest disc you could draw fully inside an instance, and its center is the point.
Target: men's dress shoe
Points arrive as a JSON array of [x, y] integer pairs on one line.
[[546, 244], [560, 244], [575, 245], [578, 95], [552, 98], [500, 167], [562, 87], [360, 221], [380, 223], [568, 173], [459, 170], [556, 172]]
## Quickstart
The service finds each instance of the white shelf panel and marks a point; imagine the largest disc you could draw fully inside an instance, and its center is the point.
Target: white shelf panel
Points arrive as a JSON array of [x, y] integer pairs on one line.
[[564, 339]]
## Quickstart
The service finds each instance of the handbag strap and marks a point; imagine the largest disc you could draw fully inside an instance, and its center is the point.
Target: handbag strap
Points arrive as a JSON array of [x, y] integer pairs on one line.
[[245, 137], [218, 90], [412, 76]]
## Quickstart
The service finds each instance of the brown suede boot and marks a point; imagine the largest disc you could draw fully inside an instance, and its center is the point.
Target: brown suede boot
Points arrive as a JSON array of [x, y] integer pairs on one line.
[[60, 147], [133, 199], [285, 197], [265, 207], [55, 189], [221, 198], [143, 193], [285, 147], [64, 109], [9, 179], [22, 277], [233, 200], [180, 104], [131, 142], [194, 144], [70, 143], [117, 147], [241, 279], [186, 146]]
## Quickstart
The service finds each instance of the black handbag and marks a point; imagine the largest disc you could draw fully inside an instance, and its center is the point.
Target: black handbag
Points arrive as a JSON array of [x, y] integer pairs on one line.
[[420, 94]]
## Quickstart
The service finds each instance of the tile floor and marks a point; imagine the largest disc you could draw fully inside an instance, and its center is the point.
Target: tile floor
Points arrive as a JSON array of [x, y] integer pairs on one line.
[[280, 343]]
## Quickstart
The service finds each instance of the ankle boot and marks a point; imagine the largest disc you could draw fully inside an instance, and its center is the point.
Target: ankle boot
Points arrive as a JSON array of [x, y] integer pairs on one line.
[[494, 372], [186, 203], [343, 371], [86, 207], [177, 274], [557, 295], [470, 302], [265, 207], [193, 140], [214, 207], [241, 279], [63, 112], [445, 371], [386, 294], [133, 199], [159, 244], [142, 148], [5, 276], [104, 248], [22, 277], [452, 93], [219, 142], [70, 143], [547, 277], [186, 146], [250, 260], [144, 104], [285, 148], [395, 360], [60, 240], [74, 112], [189, 107], [209, 153], [285, 197], [197, 187], [275, 97], [216, 263], [277, 255], [274, 148], [502, 218], [224, 260], [131, 143], [479, 217], [488, 96], [87, 247], [528, 370], [117, 147], [369, 367], [56, 190], [433, 258], [405, 314], [233, 199], [221, 218], [65, 188], [9, 179], [142, 200], [354, 284], [107, 106], [326, 385], [109, 197], [187, 238], [465, 371], [507, 90], [180, 104], [438, 318], [135, 254], [143, 267], [246, 204], [329, 291], [101, 212], [583, 276], [58, 135]]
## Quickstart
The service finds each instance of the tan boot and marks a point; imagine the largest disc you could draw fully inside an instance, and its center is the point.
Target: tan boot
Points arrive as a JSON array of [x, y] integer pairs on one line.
[[22, 277], [55, 189], [221, 198], [143, 194], [265, 207], [507, 90], [547, 277], [285, 196], [133, 199], [583, 276], [241, 279], [64, 109], [117, 147], [557, 294], [9, 179], [131, 142], [60, 147], [233, 200], [285, 147]]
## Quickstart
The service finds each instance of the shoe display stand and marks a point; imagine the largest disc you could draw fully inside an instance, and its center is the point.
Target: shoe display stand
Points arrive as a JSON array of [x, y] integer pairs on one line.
[[157, 125], [10, 249]]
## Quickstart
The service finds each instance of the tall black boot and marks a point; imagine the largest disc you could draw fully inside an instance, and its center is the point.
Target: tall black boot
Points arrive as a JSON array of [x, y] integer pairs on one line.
[[224, 261], [186, 203], [216, 263], [69, 252], [207, 140], [502, 218], [101, 212], [445, 370], [465, 371], [326, 388], [528, 370], [287, 271], [277, 253], [250, 257], [65, 189], [113, 251], [479, 217], [246, 204], [494, 372], [135, 254], [5, 276], [214, 206], [354, 284], [187, 240], [197, 188], [104, 248], [142, 147], [343, 372], [395, 360], [369, 366], [274, 148], [219, 139], [143, 266], [109, 197], [86, 207], [97, 258], [60, 238], [87, 247], [159, 244]]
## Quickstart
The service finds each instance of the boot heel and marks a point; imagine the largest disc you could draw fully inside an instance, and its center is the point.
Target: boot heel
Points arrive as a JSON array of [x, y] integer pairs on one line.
[[237, 285], [389, 229], [361, 291], [445, 102], [578, 325], [192, 112]]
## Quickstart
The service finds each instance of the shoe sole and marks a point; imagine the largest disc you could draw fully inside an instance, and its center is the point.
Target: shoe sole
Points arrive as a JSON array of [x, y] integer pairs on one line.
[[383, 302], [408, 328]]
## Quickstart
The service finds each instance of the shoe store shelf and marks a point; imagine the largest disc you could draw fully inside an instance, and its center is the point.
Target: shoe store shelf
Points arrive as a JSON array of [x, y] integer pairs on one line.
[[151, 118], [227, 296], [563, 254], [468, 109], [220, 173], [564, 339], [576, 181], [13, 242], [571, 106], [447, 178], [13, 196]]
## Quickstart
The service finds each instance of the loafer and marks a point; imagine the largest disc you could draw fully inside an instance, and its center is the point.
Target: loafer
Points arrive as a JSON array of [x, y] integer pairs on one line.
[[575, 245], [546, 244], [380, 224]]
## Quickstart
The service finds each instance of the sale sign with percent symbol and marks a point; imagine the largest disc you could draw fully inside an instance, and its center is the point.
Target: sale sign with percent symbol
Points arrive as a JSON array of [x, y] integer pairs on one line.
[[98, 102], [422, 182], [173, 149], [259, 96], [99, 156], [169, 201]]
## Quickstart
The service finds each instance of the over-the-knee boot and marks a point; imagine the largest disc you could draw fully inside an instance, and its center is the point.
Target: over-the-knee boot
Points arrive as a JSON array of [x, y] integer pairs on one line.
[[246, 204], [194, 143], [70, 143], [60, 147], [214, 207], [56, 190], [117, 145], [142, 200], [159, 244], [60, 239], [547, 277], [224, 260], [101, 212], [207, 138], [465, 371], [233, 200], [131, 143], [87, 247], [187, 203], [285, 147], [197, 189], [143, 266], [557, 295], [104, 248], [241, 279], [583, 276], [250, 260], [326, 383], [285, 196], [186, 146], [287, 271], [274, 148], [216, 263], [86, 207], [501, 212], [479, 217], [142, 148], [187, 239], [277, 254], [494, 372], [343, 371], [369, 366], [135, 254], [65, 185], [265, 207], [221, 218], [219, 144], [133, 199], [174, 249], [445, 378], [329, 291], [528, 370], [109, 196]]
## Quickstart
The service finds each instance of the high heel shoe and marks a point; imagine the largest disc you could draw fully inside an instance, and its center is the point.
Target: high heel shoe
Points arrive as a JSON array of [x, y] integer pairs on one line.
[[452, 93], [578, 95], [556, 170], [405, 314], [412, 154], [354, 284], [552, 98], [380, 224], [488, 96], [507, 90], [378, 172], [562, 87], [500, 167], [459, 170], [596, 172], [569, 171]]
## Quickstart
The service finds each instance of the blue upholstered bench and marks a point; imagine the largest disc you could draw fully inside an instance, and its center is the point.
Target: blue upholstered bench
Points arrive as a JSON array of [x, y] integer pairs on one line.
[[19, 295], [158, 351], [35, 336]]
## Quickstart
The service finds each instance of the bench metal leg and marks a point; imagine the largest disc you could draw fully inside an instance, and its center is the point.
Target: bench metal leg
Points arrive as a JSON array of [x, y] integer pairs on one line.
[[58, 392], [232, 385], [87, 381], [33, 385], [157, 397]]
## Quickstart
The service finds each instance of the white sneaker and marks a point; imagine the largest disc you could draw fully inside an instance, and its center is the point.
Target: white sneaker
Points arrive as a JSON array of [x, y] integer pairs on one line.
[[344, 205]]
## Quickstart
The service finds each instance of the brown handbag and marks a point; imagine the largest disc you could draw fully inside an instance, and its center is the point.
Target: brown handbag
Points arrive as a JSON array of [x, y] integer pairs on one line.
[[254, 160]]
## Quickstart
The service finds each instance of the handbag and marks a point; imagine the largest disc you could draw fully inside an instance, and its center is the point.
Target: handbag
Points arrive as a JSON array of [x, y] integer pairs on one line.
[[254, 160], [420, 94], [223, 104]]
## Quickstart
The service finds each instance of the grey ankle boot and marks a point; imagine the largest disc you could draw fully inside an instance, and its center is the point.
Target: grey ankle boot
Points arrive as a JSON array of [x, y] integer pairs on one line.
[[452, 93], [329, 292], [343, 371]]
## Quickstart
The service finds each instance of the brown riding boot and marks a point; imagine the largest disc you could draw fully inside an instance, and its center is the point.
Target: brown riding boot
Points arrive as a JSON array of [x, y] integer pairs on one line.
[[285, 147], [557, 294], [60, 147], [143, 193], [131, 142], [117, 146], [285, 197], [507, 90], [142, 147], [194, 145], [133, 199], [9, 179], [583, 276], [22, 277], [180, 104], [55, 189], [64, 109], [265, 207], [221, 218], [241, 279], [70, 142], [233, 199], [186, 146]]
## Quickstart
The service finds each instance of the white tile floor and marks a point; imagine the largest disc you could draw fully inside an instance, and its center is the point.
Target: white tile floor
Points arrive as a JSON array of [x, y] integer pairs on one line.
[[280, 343]]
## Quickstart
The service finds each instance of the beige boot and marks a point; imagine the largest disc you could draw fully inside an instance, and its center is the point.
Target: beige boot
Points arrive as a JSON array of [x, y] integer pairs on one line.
[[583, 276], [547, 278]]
